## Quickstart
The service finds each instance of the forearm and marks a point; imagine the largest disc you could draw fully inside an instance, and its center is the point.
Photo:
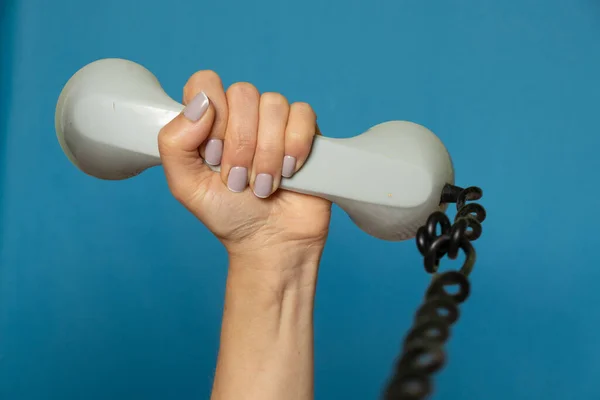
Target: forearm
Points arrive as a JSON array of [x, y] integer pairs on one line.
[[266, 349]]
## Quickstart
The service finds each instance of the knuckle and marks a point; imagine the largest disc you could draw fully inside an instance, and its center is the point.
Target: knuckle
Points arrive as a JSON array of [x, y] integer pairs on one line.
[[274, 101], [244, 90], [243, 136], [300, 144], [245, 141], [268, 147], [294, 136], [304, 110], [202, 77]]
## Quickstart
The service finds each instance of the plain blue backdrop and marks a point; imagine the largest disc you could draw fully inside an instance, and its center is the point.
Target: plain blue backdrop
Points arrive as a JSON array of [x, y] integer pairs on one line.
[[111, 290]]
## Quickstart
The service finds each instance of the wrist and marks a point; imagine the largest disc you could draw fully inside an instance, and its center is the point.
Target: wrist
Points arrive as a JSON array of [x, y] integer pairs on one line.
[[276, 268]]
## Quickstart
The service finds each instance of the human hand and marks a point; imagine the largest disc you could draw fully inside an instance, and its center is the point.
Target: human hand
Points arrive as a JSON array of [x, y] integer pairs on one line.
[[256, 139]]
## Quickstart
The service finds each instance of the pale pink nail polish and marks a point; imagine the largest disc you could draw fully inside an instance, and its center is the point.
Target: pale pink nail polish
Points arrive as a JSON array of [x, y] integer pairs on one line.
[[289, 166], [197, 107], [263, 185], [214, 152], [237, 179]]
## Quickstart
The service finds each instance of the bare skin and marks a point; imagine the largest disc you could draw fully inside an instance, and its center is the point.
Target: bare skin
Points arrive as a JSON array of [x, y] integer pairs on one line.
[[274, 238]]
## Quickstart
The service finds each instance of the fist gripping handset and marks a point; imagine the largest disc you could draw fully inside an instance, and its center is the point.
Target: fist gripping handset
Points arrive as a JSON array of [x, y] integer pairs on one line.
[[388, 179]]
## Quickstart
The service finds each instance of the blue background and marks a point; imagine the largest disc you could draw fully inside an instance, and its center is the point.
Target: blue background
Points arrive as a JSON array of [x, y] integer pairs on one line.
[[111, 290]]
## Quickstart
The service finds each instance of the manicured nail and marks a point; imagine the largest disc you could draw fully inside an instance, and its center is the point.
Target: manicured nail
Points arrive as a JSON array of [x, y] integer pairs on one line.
[[289, 166], [237, 179], [263, 185], [197, 107], [214, 152]]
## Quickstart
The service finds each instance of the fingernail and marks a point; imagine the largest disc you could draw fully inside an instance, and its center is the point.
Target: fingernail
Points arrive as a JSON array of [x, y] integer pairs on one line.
[[237, 179], [263, 185], [289, 166], [214, 152], [197, 107]]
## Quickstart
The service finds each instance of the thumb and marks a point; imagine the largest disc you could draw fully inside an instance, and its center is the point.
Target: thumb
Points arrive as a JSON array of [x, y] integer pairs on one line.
[[178, 144]]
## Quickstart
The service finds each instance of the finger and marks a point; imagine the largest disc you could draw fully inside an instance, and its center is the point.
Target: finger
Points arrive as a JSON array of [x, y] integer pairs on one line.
[[240, 137], [268, 157], [299, 136], [210, 83], [178, 143]]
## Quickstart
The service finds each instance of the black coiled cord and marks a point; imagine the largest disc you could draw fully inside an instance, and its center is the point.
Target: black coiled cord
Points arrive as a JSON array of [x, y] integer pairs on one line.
[[423, 348]]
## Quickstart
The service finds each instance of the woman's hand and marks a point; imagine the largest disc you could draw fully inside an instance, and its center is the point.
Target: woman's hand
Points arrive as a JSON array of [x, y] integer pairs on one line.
[[256, 139], [274, 238]]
